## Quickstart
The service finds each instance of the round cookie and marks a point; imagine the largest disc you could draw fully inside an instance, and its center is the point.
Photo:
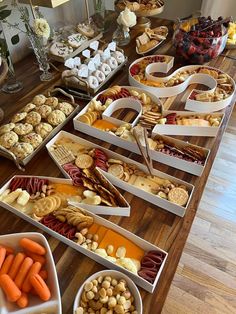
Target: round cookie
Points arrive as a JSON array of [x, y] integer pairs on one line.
[[7, 128], [23, 128], [18, 117], [43, 129], [33, 138], [39, 100], [27, 108], [76, 40], [9, 139], [52, 102], [178, 196], [33, 118], [44, 110], [22, 150], [65, 107], [56, 117], [60, 49]]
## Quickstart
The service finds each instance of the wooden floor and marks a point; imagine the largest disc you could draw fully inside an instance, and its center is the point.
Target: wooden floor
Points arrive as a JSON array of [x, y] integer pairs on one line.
[[205, 281]]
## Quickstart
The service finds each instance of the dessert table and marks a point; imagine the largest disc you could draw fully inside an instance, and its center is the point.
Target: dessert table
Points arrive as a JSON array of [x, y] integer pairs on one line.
[[160, 227]]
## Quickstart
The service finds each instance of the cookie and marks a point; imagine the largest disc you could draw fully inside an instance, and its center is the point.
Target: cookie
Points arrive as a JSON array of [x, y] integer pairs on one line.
[[44, 111], [65, 107], [52, 102], [76, 40], [8, 139], [39, 100], [60, 49], [43, 129], [33, 138], [23, 128], [116, 170], [178, 196], [56, 117], [18, 117], [7, 128], [22, 150], [84, 161], [33, 118], [28, 107], [46, 205]]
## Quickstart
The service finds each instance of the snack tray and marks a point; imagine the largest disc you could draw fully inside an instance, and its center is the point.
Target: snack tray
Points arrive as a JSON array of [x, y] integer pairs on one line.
[[181, 164], [198, 78], [145, 245], [117, 275], [158, 201], [76, 51], [84, 84], [19, 163], [36, 306], [173, 129]]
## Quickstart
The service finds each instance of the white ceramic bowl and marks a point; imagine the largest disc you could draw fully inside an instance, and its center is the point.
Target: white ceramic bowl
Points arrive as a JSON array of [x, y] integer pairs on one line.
[[117, 275], [36, 306]]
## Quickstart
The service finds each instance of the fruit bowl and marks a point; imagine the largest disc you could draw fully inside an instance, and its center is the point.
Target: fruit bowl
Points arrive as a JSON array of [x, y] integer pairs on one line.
[[199, 42]]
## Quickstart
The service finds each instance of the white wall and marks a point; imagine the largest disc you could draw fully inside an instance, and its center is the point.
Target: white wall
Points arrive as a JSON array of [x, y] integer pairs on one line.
[[74, 11]]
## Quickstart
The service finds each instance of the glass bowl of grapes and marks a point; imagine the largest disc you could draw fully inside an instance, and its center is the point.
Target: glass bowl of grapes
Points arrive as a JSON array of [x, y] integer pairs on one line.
[[199, 40]]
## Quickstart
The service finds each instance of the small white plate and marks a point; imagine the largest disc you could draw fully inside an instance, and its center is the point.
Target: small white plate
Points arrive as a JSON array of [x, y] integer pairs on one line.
[[36, 306], [117, 275]]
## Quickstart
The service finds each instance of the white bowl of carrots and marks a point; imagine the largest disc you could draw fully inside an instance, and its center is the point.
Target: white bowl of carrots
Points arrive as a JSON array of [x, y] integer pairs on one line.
[[28, 278]]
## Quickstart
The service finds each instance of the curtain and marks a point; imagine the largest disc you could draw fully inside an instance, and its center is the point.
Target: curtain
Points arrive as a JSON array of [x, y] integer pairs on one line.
[[216, 8]]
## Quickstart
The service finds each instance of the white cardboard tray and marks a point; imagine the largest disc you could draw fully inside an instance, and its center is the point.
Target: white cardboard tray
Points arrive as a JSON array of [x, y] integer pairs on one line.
[[96, 209], [199, 78], [173, 129], [146, 246], [36, 306], [117, 275], [156, 200]]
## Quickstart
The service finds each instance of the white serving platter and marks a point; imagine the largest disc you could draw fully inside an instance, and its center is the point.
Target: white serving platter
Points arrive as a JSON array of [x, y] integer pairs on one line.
[[36, 306], [174, 129], [154, 199], [116, 275], [145, 245], [96, 209], [198, 78]]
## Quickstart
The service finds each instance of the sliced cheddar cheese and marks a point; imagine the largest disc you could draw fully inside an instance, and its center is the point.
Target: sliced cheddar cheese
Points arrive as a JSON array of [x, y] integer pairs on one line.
[[117, 240]]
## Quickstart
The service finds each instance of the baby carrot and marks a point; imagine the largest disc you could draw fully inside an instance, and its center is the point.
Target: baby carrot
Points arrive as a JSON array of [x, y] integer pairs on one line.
[[7, 264], [35, 268], [3, 253], [18, 260], [40, 287], [36, 257], [23, 271], [12, 292], [23, 301], [32, 246]]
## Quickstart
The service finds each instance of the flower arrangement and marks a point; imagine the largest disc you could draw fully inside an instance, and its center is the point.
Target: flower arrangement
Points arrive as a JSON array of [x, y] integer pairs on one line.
[[127, 19]]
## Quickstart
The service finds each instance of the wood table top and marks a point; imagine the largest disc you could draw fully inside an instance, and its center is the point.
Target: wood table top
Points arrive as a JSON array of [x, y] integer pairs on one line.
[[157, 226]]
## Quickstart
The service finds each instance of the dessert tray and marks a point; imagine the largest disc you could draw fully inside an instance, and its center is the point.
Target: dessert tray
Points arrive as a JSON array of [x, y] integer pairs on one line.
[[35, 124], [96, 237], [94, 67], [151, 39], [221, 87], [160, 189], [18, 247], [72, 41], [105, 118], [122, 292]]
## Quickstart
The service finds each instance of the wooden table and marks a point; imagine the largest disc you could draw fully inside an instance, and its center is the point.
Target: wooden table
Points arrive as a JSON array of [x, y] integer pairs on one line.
[[156, 225]]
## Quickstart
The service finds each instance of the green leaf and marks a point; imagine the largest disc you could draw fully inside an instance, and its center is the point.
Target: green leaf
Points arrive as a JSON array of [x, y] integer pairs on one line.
[[4, 14], [15, 39], [3, 7]]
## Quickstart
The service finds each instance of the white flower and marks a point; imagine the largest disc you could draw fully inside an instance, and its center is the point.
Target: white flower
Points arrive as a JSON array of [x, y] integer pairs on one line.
[[41, 28], [127, 19]]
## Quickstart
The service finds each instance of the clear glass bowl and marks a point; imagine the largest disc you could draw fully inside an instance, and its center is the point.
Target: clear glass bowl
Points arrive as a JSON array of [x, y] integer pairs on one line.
[[198, 50]]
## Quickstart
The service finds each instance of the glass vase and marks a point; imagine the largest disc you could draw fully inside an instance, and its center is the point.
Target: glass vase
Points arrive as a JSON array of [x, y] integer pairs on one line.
[[41, 56], [12, 85], [121, 36], [99, 14]]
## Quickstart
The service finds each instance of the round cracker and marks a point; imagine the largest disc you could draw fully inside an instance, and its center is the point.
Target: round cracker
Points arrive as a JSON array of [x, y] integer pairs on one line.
[[178, 196], [116, 170], [84, 161]]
